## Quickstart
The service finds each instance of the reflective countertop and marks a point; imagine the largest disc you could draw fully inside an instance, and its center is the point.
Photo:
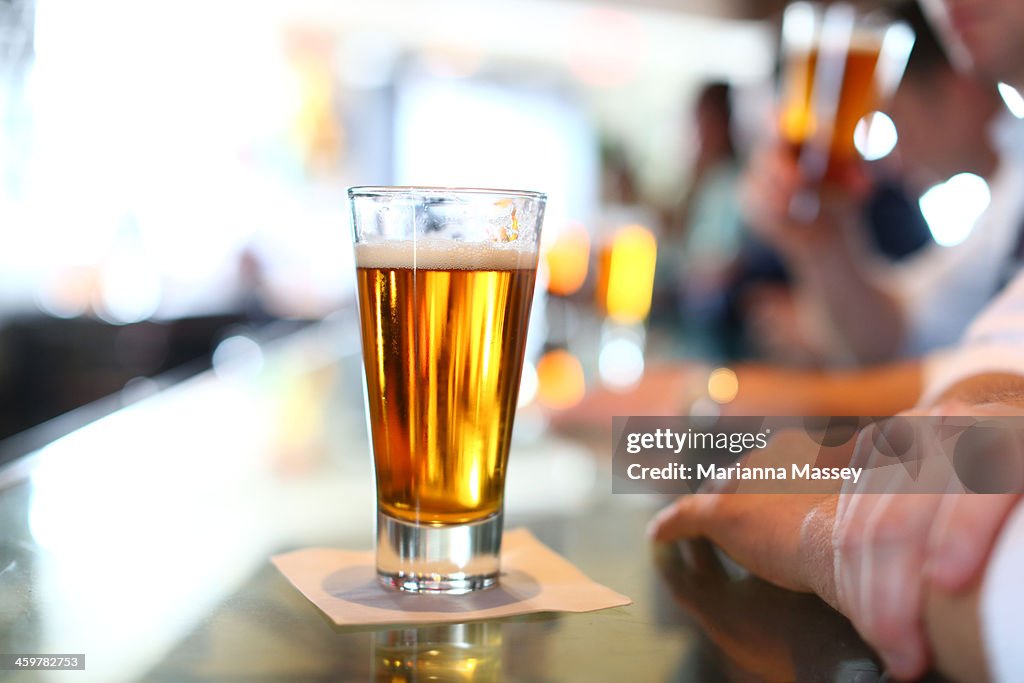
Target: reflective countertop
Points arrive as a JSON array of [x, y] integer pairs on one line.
[[143, 541]]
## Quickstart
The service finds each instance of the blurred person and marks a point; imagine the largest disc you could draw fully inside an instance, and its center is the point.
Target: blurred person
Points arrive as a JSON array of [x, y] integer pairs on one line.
[[870, 311], [705, 230], [622, 199], [253, 292], [928, 579], [710, 218], [618, 181]]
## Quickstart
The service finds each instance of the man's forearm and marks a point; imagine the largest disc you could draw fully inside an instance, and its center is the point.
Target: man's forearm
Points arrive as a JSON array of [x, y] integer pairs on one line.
[[768, 390], [993, 389]]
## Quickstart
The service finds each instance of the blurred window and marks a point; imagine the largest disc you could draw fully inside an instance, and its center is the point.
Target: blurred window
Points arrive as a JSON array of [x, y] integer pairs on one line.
[[472, 132]]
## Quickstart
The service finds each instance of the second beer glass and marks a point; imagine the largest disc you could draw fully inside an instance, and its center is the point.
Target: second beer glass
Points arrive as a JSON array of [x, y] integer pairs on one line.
[[839, 65]]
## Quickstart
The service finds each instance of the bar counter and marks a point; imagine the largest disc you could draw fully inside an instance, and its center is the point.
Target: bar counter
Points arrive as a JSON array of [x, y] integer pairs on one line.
[[142, 540]]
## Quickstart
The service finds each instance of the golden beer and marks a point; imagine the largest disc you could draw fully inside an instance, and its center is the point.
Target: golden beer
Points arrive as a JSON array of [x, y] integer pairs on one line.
[[444, 330], [858, 95], [445, 281], [840, 63]]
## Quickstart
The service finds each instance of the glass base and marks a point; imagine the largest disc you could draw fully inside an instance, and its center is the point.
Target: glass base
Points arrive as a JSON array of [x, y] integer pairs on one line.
[[452, 559]]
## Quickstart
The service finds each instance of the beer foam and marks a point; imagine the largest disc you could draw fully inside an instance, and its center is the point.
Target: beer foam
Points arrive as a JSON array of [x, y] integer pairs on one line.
[[864, 40], [435, 254]]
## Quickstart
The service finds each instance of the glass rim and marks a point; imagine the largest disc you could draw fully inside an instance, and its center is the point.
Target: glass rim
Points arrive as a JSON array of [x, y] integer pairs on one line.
[[428, 190]]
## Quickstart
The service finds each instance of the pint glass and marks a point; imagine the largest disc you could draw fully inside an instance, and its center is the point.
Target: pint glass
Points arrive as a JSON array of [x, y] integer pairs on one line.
[[445, 280], [839, 65]]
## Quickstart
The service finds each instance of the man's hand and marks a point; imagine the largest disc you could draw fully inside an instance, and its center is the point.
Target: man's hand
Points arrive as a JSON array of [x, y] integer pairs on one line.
[[966, 525], [773, 183], [870, 551], [881, 532], [784, 536], [776, 536]]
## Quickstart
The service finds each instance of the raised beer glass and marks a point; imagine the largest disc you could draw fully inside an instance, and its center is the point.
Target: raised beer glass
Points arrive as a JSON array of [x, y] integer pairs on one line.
[[840, 64], [445, 280]]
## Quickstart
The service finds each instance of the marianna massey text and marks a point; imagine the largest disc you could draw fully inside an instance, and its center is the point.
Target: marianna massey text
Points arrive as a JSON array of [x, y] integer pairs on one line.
[[680, 471]]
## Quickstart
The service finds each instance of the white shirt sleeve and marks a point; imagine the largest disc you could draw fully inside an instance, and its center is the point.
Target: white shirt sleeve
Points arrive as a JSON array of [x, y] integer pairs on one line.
[[1002, 603], [944, 288], [994, 343]]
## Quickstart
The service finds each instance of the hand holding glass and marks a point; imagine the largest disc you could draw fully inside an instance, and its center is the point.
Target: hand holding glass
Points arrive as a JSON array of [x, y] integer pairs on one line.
[[840, 64]]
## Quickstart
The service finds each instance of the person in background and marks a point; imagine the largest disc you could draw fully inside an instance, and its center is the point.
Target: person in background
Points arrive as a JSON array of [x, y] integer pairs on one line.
[[618, 179], [711, 221], [868, 310], [623, 201], [929, 580], [704, 232]]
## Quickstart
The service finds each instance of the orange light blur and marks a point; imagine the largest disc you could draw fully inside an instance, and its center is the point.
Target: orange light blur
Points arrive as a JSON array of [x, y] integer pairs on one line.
[[626, 274], [567, 258], [560, 380], [723, 386], [314, 129]]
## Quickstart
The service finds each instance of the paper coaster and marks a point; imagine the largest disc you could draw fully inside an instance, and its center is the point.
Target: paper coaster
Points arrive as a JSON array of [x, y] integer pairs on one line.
[[344, 585]]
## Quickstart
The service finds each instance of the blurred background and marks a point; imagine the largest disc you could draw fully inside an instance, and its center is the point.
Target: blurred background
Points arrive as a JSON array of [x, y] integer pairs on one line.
[[172, 175]]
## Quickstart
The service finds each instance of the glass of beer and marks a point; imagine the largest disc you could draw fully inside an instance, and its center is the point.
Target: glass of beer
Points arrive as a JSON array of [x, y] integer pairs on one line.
[[445, 279], [839, 64]]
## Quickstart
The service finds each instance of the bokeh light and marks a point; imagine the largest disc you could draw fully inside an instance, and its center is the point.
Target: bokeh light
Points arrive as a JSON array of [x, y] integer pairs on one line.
[[875, 136], [238, 355], [560, 380], [1012, 99], [587, 52], [567, 260], [626, 278], [952, 208], [621, 363], [723, 386]]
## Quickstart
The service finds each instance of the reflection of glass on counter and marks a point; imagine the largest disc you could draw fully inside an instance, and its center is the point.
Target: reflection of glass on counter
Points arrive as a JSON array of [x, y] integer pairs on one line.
[[446, 653]]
